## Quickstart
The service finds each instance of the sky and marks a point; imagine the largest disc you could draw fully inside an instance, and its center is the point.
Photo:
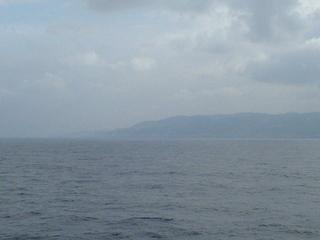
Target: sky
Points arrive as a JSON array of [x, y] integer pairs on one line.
[[80, 65]]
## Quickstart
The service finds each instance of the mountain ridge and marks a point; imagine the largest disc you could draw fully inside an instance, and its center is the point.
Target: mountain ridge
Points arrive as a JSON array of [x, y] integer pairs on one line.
[[238, 125]]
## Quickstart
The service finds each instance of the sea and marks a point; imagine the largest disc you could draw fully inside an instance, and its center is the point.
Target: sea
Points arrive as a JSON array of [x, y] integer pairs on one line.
[[177, 190]]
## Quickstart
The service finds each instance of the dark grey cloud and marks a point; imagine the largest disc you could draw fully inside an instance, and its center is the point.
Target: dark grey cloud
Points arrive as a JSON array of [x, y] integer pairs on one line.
[[178, 5], [269, 19], [266, 19], [105, 5]]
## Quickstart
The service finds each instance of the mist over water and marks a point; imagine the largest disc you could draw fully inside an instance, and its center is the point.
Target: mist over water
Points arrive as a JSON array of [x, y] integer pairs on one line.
[[63, 189]]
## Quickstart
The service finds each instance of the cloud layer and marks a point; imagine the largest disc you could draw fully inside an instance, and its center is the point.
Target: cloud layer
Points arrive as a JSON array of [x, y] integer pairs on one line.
[[93, 64]]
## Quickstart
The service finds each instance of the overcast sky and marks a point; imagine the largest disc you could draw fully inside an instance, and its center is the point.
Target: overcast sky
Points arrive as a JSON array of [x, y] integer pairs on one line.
[[78, 65]]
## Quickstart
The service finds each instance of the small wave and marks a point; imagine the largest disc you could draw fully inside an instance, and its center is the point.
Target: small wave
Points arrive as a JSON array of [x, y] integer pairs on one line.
[[147, 219], [153, 235], [290, 229], [83, 218], [157, 219]]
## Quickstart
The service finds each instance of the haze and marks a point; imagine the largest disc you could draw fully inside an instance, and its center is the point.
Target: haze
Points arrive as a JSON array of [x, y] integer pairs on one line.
[[76, 65]]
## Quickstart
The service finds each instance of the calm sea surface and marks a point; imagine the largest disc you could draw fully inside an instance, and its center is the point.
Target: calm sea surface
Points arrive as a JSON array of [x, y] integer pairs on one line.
[[52, 189]]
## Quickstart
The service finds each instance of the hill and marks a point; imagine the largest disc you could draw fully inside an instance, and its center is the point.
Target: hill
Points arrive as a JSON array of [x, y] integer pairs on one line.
[[242, 125]]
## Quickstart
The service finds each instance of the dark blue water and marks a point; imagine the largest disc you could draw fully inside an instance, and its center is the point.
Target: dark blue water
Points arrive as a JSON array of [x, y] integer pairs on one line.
[[159, 190]]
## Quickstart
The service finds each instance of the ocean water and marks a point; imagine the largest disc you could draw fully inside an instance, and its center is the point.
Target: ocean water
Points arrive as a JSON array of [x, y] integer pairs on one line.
[[68, 189]]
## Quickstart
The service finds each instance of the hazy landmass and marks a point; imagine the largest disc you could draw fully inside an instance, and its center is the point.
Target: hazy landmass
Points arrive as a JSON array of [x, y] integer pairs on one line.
[[241, 125]]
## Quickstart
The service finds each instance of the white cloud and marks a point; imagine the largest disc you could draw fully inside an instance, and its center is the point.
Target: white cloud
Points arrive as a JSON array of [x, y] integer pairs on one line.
[[53, 81], [5, 93], [308, 7], [89, 58], [142, 64]]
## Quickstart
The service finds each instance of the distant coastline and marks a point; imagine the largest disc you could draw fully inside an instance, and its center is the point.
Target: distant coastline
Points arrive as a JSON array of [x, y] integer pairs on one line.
[[228, 126]]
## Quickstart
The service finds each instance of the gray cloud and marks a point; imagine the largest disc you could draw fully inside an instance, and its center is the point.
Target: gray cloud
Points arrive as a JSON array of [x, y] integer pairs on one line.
[[179, 5], [298, 66], [78, 69], [269, 18], [116, 5], [266, 19]]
